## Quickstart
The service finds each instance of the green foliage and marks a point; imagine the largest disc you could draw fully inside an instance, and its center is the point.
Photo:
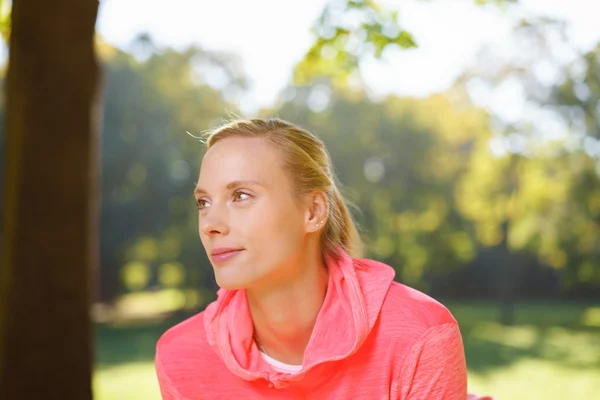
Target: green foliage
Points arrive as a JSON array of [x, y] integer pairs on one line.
[[431, 193], [399, 161], [550, 213], [579, 93], [149, 162], [348, 31], [577, 99], [545, 192], [5, 20]]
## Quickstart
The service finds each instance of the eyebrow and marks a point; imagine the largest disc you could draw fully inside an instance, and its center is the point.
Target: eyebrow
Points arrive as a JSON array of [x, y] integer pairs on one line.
[[230, 185]]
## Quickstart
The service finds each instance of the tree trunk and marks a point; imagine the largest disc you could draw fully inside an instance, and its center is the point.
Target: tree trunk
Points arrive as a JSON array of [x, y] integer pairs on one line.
[[50, 208], [506, 281]]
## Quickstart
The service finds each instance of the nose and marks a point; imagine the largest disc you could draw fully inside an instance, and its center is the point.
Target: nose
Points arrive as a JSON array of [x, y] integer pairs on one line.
[[214, 222]]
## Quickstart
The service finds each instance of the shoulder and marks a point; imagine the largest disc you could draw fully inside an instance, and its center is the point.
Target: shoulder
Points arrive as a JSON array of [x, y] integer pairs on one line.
[[185, 334], [185, 362], [412, 312], [428, 336], [185, 341], [411, 324]]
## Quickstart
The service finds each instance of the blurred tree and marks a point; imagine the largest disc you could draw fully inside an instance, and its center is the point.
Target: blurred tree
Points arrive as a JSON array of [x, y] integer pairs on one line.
[[577, 99], [348, 31], [150, 163], [50, 224], [399, 161], [578, 96], [529, 197]]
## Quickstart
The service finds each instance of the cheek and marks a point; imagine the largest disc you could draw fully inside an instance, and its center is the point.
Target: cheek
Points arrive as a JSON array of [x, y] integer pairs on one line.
[[273, 227]]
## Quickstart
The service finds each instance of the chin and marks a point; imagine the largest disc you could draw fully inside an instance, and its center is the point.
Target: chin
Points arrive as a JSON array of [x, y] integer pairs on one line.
[[231, 280]]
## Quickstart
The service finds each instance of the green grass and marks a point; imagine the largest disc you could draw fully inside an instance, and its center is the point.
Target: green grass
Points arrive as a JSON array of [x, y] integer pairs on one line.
[[125, 361], [552, 352]]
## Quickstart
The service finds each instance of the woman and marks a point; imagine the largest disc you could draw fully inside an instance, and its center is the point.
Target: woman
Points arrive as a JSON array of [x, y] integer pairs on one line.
[[299, 314]]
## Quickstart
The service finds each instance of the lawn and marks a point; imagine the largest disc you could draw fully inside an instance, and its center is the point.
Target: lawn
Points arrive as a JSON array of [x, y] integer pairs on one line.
[[552, 352]]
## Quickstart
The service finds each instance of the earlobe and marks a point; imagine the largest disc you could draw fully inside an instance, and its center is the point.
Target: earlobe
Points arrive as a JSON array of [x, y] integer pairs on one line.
[[315, 226], [318, 226]]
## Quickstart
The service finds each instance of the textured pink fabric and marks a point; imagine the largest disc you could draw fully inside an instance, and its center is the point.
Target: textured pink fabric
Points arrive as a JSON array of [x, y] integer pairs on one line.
[[373, 339]]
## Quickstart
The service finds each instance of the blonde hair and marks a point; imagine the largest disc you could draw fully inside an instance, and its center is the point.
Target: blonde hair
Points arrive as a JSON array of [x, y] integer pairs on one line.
[[309, 166]]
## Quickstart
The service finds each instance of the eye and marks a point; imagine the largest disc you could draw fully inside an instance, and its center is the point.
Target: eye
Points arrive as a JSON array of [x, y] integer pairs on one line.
[[201, 204], [238, 195]]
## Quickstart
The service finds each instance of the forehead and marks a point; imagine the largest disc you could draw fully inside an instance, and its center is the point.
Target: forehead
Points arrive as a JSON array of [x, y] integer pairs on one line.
[[240, 158]]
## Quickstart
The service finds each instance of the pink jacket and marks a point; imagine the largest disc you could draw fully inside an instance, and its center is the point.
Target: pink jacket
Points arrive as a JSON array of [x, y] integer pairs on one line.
[[373, 339]]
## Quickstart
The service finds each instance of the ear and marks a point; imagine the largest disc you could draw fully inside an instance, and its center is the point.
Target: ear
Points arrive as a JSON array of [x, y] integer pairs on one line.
[[317, 211]]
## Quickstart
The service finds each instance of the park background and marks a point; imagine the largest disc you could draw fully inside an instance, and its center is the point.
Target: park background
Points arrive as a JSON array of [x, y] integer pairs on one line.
[[467, 134]]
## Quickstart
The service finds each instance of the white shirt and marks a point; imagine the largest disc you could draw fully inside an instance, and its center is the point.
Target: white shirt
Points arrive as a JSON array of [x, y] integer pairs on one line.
[[281, 367]]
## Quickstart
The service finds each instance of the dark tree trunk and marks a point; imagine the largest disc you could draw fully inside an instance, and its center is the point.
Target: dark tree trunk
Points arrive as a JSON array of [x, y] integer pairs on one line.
[[507, 278], [50, 205], [506, 282]]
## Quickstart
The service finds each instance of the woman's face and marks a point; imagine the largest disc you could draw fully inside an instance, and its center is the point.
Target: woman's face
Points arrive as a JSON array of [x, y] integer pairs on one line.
[[251, 227]]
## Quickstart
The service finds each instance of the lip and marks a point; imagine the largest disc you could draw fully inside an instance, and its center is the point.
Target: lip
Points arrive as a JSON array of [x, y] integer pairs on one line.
[[222, 254]]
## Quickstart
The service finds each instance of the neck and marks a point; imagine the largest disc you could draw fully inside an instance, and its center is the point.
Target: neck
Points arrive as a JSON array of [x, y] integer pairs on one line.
[[284, 316]]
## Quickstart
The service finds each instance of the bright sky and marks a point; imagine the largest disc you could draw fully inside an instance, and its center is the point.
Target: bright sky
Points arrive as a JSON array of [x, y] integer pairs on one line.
[[271, 36]]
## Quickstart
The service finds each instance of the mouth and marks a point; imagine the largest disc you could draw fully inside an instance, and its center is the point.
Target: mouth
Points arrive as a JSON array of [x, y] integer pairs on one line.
[[222, 255]]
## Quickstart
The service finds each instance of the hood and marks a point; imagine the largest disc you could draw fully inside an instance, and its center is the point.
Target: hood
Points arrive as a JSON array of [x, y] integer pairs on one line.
[[355, 293]]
